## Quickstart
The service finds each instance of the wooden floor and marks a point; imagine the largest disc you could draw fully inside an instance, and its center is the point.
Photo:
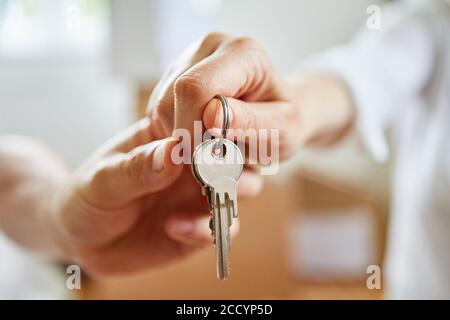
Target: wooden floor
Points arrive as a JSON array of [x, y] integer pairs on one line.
[[258, 262]]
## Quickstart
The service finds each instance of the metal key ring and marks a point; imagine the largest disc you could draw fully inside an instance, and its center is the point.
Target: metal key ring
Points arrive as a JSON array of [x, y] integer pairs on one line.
[[226, 123]]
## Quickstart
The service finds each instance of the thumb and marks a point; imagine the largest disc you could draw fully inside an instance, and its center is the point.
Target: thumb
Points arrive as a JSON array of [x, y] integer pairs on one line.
[[193, 230], [149, 168], [145, 169]]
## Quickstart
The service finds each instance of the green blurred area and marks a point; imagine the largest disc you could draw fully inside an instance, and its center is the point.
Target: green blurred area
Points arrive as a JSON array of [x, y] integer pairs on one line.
[[87, 7]]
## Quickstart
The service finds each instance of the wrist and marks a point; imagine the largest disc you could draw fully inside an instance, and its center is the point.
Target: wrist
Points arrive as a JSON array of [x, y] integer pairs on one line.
[[325, 107], [48, 217]]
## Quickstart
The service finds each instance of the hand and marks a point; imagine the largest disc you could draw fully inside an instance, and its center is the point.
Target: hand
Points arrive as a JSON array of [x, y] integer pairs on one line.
[[236, 68], [130, 208]]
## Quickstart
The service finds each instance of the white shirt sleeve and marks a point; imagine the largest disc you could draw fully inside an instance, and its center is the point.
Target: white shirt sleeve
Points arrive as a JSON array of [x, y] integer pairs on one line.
[[384, 69]]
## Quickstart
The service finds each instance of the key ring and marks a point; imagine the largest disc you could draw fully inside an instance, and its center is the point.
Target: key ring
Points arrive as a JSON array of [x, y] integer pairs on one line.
[[226, 123]]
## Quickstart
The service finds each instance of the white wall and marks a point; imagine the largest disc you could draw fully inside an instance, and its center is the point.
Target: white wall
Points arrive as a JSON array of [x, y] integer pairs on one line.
[[290, 30], [76, 103], [72, 104]]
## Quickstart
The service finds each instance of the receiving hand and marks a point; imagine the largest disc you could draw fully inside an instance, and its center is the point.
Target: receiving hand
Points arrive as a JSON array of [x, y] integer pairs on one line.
[[130, 208]]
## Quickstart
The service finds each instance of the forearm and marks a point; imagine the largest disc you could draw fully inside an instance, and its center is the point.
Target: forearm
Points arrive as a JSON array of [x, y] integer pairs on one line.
[[29, 177], [325, 105]]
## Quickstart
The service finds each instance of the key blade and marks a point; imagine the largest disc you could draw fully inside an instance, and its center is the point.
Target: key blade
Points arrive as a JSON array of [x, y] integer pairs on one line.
[[222, 236]]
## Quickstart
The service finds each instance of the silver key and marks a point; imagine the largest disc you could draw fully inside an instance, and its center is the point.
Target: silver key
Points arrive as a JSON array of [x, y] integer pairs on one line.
[[218, 175]]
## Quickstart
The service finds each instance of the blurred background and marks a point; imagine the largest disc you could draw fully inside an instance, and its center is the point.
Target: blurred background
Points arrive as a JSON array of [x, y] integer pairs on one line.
[[75, 72]]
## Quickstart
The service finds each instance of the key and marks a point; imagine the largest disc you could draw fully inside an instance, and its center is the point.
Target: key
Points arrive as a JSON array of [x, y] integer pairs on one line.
[[218, 174]]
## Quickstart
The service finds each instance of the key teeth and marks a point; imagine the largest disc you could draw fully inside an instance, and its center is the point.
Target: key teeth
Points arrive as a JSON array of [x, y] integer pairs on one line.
[[211, 227], [235, 209], [225, 274], [223, 277]]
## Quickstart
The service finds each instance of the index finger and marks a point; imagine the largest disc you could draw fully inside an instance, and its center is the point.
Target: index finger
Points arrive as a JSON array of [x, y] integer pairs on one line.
[[239, 69]]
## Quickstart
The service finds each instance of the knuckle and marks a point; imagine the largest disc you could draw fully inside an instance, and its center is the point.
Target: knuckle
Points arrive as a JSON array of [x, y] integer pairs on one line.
[[162, 117], [244, 43], [211, 39], [161, 94], [154, 103], [164, 120], [190, 85], [252, 51], [133, 167], [100, 174]]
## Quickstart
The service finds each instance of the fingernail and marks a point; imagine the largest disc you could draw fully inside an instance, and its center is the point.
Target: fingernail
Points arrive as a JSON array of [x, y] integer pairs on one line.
[[215, 132], [183, 228], [219, 116]]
